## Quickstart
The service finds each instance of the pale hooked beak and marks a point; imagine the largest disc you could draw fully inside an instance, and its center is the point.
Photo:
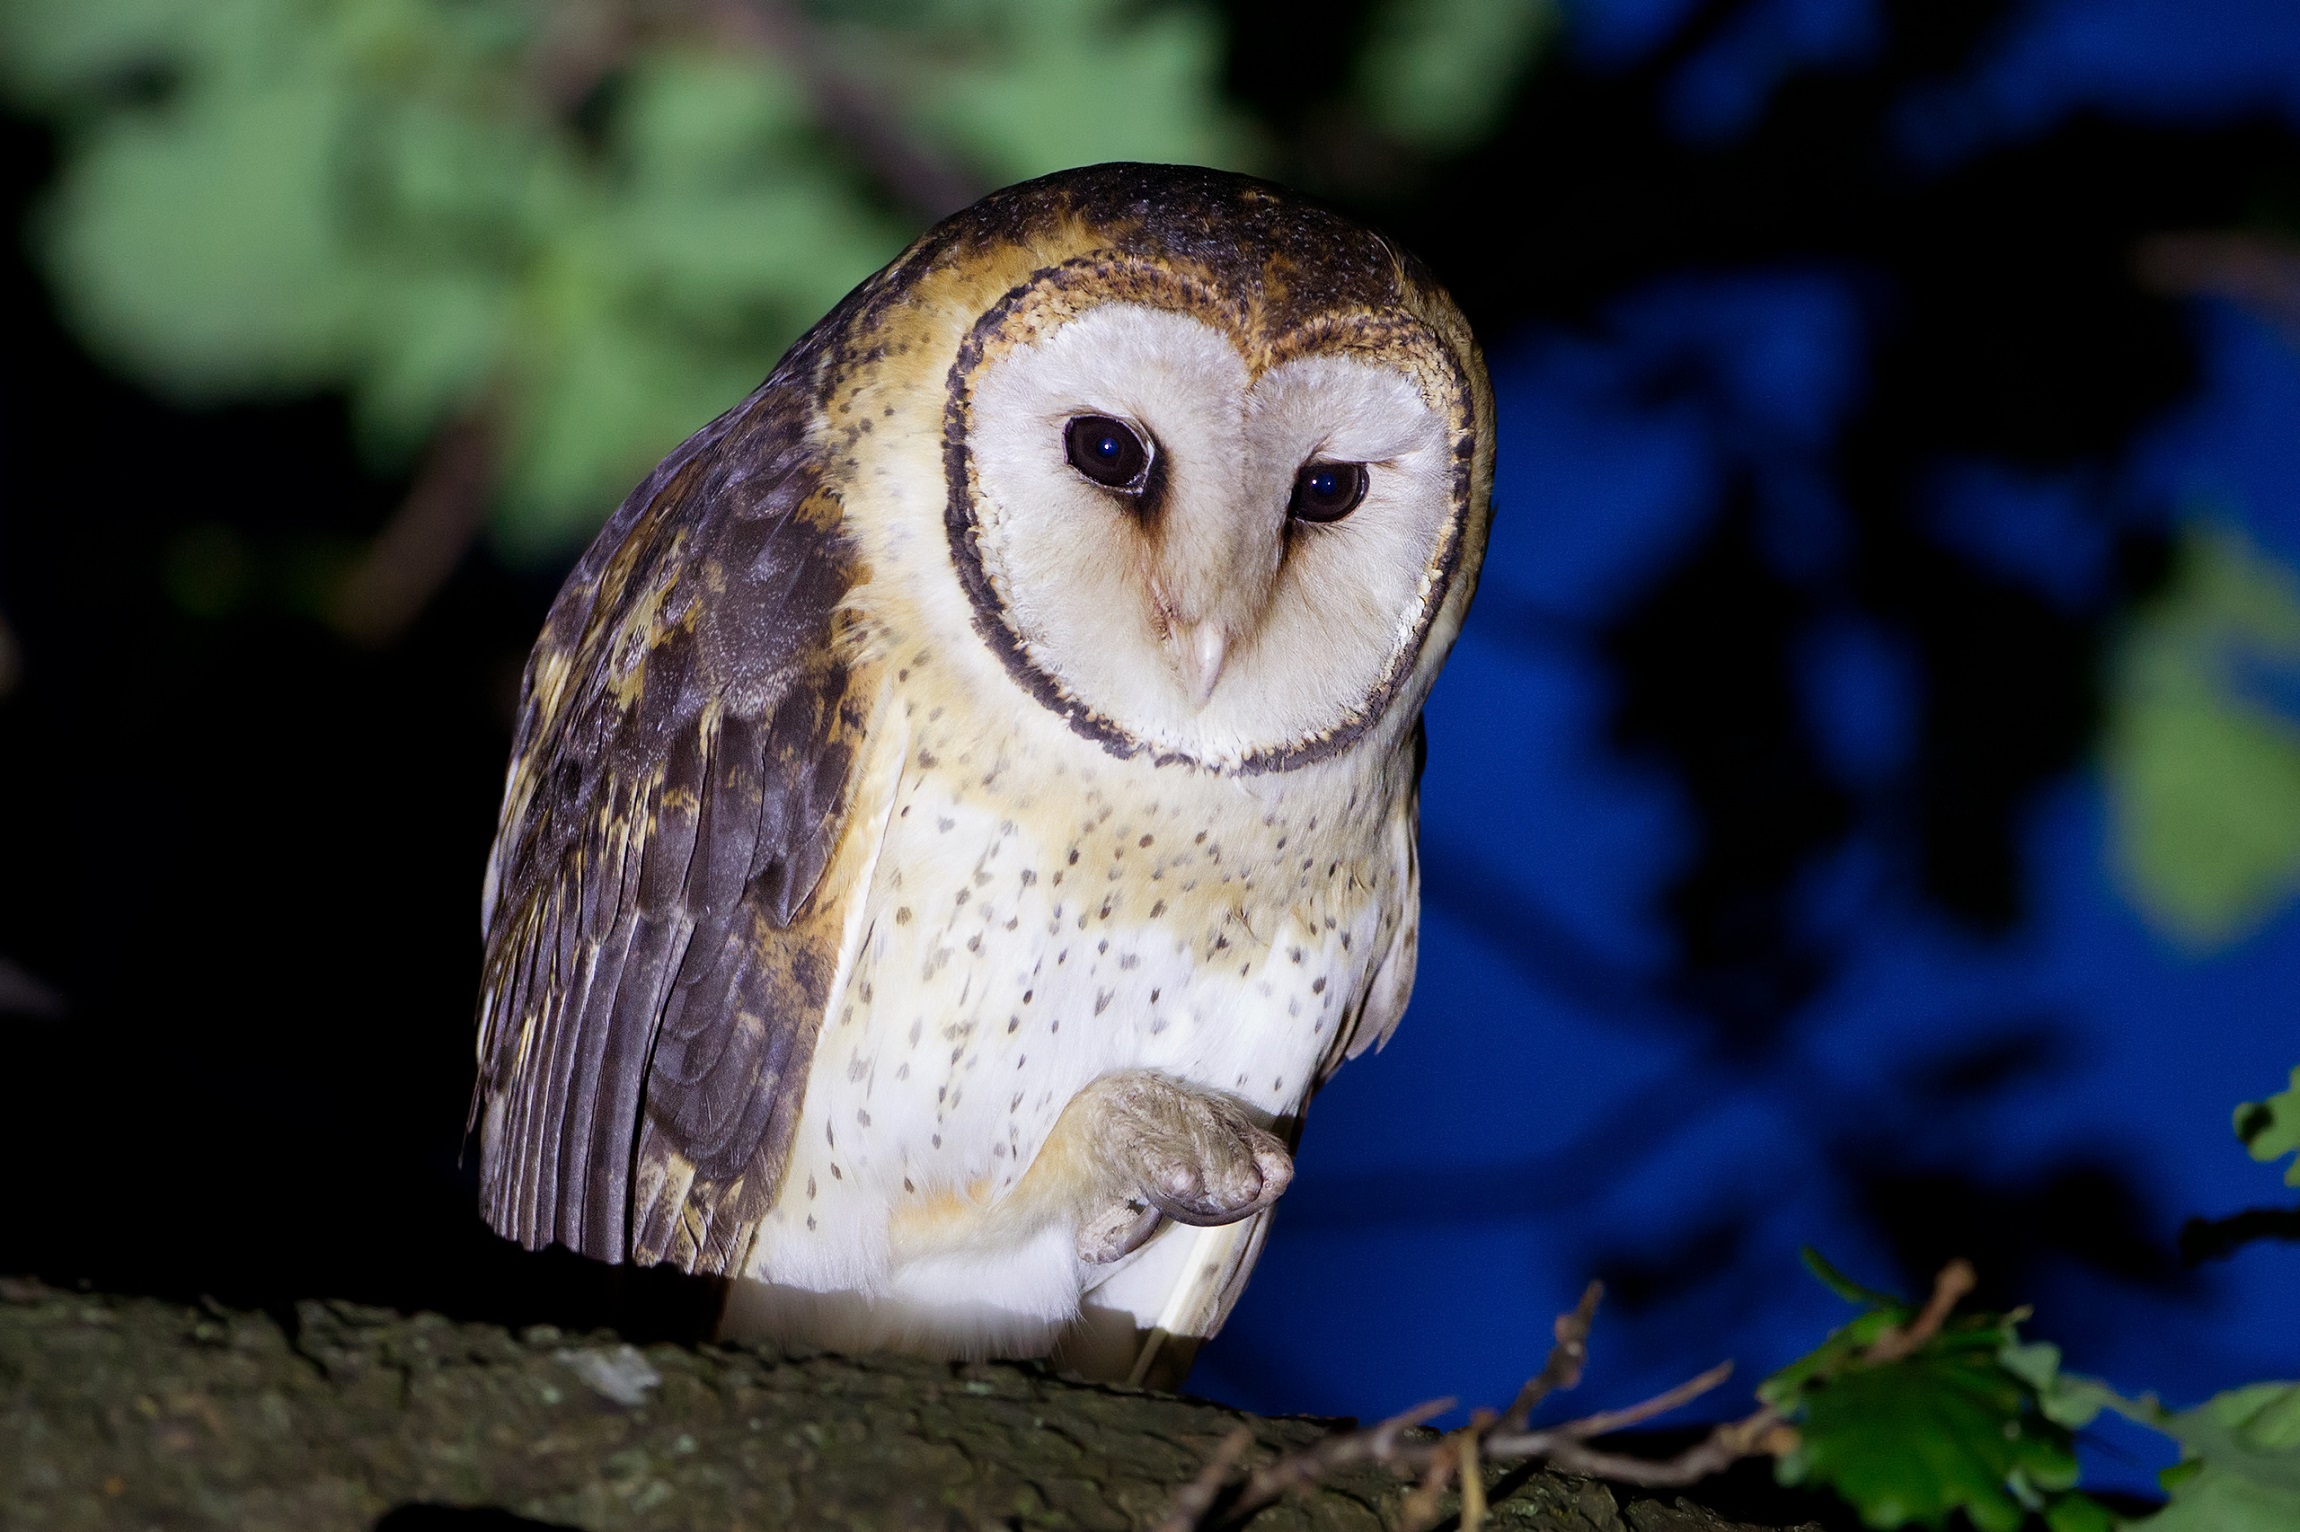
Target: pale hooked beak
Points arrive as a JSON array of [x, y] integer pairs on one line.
[[1198, 651]]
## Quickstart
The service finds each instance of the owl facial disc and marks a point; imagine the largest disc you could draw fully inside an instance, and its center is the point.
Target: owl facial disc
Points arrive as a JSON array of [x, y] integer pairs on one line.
[[1194, 537]]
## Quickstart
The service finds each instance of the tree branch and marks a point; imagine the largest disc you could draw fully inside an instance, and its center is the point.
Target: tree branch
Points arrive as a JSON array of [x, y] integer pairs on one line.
[[426, 536], [2216, 1239], [1566, 1359], [2259, 273], [921, 177], [1949, 1288]]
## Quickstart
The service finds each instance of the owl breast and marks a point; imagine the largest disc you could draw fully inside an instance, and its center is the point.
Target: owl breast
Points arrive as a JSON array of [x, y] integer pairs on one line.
[[1042, 915]]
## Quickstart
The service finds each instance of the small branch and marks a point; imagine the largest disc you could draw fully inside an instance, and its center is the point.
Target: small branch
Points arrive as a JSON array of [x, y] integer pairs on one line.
[[425, 538], [1949, 1288], [2216, 1239], [1566, 1359], [2260, 273], [1760, 1434], [11, 658], [1420, 1511], [1608, 1421], [1471, 1476], [1491, 1438], [1300, 1470], [920, 176], [1197, 1497]]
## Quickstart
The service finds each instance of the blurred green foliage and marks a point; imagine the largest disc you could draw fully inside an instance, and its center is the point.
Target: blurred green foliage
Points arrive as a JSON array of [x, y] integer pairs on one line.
[[2270, 1129], [594, 224], [2203, 765], [2239, 1469], [1439, 73], [2240, 1463]]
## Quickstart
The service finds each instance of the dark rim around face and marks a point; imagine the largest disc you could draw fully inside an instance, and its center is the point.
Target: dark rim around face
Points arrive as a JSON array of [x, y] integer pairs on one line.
[[1054, 294]]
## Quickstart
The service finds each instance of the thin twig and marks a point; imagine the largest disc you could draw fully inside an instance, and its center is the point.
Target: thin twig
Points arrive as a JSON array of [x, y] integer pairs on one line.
[[1491, 1438], [2261, 273], [1949, 1288], [920, 176], [1605, 1421], [1758, 1434], [425, 538], [1472, 1477], [1196, 1498], [1420, 1510], [1320, 1460], [1566, 1359]]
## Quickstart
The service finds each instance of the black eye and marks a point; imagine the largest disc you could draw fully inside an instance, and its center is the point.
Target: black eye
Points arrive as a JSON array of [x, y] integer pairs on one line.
[[1106, 451], [1327, 491]]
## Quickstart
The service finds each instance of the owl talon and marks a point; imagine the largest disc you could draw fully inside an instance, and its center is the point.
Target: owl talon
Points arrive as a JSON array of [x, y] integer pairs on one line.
[[1118, 1231], [1246, 1175], [1194, 1156]]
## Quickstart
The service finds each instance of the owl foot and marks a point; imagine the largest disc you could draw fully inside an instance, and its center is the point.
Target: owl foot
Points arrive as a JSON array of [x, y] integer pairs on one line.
[[1169, 1150]]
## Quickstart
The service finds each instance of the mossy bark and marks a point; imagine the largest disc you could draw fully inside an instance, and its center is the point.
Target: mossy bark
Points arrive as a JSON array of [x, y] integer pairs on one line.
[[135, 1413]]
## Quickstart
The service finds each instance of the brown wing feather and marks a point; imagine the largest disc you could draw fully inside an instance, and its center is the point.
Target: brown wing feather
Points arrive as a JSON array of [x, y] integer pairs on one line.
[[658, 950]]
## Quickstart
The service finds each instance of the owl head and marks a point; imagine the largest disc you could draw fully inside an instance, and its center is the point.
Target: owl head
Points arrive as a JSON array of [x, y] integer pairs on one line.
[[1204, 466]]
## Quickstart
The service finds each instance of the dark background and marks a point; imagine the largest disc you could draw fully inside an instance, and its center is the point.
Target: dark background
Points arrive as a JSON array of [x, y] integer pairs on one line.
[[1764, 836]]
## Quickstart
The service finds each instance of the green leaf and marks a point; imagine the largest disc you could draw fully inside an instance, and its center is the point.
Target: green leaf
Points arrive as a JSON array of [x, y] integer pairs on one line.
[[2079, 1513], [1845, 1287], [1971, 1421], [2270, 1129], [1940, 1431], [2203, 773], [2241, 1469], [2066, 1398]]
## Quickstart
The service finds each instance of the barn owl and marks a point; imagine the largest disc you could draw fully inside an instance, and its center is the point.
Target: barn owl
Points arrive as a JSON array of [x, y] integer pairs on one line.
[[963, 804]]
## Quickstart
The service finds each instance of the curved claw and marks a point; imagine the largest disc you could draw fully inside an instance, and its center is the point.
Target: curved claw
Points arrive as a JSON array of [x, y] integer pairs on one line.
[[1207, 1194]]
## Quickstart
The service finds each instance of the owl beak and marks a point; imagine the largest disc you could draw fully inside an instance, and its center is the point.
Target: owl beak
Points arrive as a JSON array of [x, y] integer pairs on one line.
[[1198, 651]]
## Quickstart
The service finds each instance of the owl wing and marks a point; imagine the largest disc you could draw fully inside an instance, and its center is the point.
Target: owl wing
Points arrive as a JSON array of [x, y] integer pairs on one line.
[[661, 940], [1390, 982]]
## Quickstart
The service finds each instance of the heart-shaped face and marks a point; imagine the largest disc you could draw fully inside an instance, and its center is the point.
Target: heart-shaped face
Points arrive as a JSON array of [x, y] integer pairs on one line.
[[1196, 536]]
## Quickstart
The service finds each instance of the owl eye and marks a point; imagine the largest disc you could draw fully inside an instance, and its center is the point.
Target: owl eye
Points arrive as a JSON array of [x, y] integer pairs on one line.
[[1327, 491], [1106, 451]]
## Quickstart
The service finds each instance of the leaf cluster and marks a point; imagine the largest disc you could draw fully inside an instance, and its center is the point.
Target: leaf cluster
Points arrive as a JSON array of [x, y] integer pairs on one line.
[[1949, 1426], [592, 223]]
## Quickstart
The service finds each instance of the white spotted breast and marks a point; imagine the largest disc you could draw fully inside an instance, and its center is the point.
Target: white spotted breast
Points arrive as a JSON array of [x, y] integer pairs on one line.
[[1043, 914]]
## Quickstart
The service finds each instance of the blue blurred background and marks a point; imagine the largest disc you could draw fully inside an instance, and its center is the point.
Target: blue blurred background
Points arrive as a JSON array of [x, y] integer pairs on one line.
[[2050, 1097], [1862, 811]]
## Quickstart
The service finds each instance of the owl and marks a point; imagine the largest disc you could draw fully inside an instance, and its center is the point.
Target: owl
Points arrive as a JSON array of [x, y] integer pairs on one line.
[[963, 804]]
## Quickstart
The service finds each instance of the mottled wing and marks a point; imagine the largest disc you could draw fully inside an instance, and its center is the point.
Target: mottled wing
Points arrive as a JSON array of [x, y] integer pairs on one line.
[[659, 952], [1381, 1002]]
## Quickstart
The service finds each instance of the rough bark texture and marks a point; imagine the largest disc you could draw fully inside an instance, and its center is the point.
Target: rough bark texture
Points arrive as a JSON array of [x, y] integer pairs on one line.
[[135, 1413]]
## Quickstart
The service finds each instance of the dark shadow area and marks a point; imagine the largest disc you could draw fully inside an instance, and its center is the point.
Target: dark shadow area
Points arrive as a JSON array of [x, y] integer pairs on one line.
[[246, 855], [2216, 1239], [452, 1518]]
